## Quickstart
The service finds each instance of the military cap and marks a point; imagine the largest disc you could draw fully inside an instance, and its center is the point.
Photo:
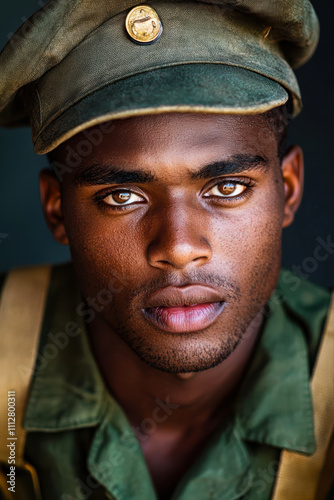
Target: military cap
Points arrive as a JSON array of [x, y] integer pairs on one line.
[[77, 63]]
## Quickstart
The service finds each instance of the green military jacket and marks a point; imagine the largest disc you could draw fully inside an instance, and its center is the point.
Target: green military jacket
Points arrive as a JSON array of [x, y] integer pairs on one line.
[[83, 447]]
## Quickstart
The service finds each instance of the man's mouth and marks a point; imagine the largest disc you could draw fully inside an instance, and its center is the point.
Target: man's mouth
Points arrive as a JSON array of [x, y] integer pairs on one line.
[[184, 309]]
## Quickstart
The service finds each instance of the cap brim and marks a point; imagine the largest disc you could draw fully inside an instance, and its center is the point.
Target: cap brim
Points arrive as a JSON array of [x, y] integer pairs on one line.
[[196, 88]]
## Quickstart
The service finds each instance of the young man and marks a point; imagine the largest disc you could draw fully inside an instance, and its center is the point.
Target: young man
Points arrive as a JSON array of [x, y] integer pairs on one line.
[[174, 360]]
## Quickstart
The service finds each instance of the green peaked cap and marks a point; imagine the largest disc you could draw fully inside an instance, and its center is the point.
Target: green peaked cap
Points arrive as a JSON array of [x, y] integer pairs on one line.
[[73, 64]]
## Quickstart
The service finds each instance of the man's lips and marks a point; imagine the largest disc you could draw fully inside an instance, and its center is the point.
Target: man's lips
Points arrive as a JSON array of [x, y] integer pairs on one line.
[[184, 309]]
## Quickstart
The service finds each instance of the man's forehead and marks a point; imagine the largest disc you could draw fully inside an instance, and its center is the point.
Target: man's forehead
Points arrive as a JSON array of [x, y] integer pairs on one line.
[[188, 140], [162, 136], [171, 129]]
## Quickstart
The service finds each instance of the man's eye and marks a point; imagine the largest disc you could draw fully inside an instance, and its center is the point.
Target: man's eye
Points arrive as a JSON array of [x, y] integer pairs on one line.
[[117, 198], [226, 189]]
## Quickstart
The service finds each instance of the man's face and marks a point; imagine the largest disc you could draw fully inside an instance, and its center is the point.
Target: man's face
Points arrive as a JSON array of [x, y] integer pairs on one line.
[[189, 210]]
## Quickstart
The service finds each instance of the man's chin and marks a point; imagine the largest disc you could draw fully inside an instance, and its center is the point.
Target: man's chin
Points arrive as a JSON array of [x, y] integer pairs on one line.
[[192, 355]]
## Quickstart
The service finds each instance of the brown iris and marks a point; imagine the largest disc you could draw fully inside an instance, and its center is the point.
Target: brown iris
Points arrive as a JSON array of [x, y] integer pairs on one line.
[[121, 196], [226, 188]]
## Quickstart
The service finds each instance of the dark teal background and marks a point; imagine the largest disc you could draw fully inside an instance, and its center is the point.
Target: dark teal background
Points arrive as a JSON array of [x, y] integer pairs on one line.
[[28, 240]]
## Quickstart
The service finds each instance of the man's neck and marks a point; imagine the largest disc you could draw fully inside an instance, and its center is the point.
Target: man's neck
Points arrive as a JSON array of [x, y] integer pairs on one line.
[[170, 401]]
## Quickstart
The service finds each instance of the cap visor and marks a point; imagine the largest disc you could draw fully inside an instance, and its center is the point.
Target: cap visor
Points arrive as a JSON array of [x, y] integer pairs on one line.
[[196, 88]]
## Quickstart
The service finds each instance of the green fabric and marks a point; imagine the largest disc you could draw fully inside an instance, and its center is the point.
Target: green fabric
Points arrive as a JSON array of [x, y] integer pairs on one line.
[[72, 49], [83, 447], [168, 88]]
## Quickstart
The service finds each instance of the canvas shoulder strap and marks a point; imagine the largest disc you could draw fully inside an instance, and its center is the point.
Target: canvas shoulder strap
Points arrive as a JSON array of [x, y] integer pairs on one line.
[[22, 305], [302, 477]]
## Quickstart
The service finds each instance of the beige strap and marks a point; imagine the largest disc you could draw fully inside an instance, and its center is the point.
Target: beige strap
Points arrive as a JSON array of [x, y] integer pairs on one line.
[[21, 314], [299, 476]]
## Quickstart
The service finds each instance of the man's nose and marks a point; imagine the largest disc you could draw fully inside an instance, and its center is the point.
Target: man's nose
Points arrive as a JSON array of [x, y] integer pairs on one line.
[[180, 240]]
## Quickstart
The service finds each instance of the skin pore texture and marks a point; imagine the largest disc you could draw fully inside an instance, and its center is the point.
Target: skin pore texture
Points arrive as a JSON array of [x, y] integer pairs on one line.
[[188, 210]]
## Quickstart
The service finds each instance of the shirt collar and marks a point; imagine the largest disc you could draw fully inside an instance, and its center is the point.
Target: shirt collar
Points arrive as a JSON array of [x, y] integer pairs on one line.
[[274, 403]]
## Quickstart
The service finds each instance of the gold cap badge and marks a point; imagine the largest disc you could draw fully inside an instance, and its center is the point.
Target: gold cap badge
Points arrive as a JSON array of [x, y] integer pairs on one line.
[[143, 25]]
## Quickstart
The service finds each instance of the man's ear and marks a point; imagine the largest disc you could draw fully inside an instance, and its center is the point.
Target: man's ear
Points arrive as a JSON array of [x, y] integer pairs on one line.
[[51, 203], [293, 178]]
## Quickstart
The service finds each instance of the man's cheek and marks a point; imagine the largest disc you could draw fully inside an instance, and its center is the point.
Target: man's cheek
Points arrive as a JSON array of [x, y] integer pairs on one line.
[[253, 250], [243, 240]]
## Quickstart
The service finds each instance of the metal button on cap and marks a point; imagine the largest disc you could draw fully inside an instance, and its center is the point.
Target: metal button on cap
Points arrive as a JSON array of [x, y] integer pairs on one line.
[[143, 25]]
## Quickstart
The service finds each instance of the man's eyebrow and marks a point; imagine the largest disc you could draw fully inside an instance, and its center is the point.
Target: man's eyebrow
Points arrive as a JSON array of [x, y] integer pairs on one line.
[[107, 174], [100, 174], [233, 165]]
